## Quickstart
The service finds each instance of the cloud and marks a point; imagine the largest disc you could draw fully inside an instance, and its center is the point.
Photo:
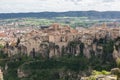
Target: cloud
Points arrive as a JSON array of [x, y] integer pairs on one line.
[[76, 2], [8, 6], [108, 0]]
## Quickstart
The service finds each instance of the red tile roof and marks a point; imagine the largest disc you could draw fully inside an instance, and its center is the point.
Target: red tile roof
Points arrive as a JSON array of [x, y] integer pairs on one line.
[[3, 35]]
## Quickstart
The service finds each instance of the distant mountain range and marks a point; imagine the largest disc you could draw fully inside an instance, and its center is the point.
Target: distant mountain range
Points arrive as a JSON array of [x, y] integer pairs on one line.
[[89, 14]]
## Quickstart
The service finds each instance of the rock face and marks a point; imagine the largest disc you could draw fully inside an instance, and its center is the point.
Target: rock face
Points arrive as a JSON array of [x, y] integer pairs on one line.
[[50, 49], [87, 52], [12, 50], [116, 71], [21, 74], [116, 52], [109, 77], [1, 75]]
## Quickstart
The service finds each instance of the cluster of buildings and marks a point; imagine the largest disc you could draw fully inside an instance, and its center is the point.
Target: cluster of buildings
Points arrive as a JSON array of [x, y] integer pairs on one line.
[[50, 40], [60, 36]]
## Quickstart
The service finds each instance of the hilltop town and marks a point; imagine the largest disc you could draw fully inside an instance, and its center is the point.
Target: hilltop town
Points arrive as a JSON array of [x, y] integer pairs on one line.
[[59, 40], [56, 41], [54, 37]]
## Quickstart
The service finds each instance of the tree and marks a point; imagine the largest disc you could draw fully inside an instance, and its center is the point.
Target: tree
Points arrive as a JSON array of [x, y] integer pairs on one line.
[[33, 51], [7, 45], [18, 41], [81, 48]]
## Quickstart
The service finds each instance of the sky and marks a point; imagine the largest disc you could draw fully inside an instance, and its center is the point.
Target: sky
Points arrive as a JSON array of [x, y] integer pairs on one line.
[[16, 6]]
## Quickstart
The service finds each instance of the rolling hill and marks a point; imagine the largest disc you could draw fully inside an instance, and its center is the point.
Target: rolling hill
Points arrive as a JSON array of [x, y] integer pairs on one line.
[[89, 14]]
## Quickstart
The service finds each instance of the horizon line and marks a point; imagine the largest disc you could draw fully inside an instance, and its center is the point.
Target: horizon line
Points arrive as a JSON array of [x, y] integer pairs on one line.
[[54, 11]]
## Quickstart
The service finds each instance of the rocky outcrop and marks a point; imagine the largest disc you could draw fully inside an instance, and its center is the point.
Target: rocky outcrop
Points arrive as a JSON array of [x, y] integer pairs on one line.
[[21, 74], [116, 71], [12, 50], [116, 52], [86, 51], [1, 75]]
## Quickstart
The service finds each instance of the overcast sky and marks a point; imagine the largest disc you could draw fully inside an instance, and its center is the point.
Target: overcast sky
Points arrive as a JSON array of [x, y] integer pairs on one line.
[[15, 6]]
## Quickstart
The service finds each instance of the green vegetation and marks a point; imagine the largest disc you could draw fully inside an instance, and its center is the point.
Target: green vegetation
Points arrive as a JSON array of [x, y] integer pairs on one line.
[[36, 22], [103, 72], [67, 67], [97, 73]]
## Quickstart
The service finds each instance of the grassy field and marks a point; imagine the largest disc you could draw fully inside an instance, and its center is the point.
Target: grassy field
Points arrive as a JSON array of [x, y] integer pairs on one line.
[[72, 21]]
